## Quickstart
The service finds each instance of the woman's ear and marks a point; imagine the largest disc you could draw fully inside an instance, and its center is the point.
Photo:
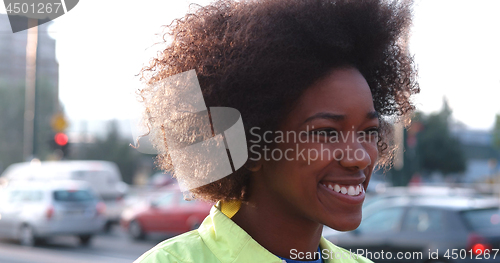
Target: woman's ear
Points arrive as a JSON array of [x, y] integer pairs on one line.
[[253, 166]]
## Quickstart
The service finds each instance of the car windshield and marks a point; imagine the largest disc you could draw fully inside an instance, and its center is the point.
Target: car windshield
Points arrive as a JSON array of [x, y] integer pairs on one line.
[[482, 218], [73, 195]]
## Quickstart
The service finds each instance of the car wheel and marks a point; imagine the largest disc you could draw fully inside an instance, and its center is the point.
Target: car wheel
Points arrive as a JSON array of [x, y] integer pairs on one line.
[[85, 239], [107, 227], [27, 236], [135, 230]]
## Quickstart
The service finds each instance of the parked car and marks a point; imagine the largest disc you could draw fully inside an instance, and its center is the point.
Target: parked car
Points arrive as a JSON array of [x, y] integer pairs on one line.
[[373, 200], [427, 229], [168, 214], [32, 212], [103, 176], [161, 179]]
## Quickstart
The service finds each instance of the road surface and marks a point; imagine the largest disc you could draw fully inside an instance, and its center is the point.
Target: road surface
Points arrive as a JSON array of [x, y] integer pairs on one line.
[[115, 247]]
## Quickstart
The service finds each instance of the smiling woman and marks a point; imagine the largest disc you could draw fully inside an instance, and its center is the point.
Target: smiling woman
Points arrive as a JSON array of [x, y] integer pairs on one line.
[[328, 71], [308, 188]]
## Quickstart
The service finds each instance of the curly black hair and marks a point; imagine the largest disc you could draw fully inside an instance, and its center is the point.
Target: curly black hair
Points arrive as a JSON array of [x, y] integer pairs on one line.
[[260, 56]]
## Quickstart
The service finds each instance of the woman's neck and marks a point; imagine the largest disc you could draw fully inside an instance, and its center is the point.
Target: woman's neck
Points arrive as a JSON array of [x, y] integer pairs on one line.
[[269, 223]]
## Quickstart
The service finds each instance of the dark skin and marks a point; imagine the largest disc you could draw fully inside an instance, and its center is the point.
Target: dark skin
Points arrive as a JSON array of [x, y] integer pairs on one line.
[[290, 199]]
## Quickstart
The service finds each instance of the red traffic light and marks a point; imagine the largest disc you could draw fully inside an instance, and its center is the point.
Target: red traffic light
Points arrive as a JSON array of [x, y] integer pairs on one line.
[[61, 139]]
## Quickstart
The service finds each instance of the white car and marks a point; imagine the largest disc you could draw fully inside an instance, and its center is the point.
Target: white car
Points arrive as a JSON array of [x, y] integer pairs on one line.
[[34, 211], [104, 177]]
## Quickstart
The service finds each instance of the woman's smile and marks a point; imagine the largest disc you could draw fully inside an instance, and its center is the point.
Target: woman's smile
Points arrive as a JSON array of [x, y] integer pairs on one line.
[[351, 194]]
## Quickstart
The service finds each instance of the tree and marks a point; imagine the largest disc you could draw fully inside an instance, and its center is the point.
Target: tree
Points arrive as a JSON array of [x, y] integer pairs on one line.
[[437, 149], [496, 133], [11, 125], [116, 149], [46, 108], [12, 103]]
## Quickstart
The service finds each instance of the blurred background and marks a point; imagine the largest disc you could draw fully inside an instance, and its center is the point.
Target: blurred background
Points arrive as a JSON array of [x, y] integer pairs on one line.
[[67, 92]]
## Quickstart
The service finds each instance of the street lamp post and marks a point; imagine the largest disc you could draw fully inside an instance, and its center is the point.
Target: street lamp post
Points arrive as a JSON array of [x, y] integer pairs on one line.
[[29, 104]]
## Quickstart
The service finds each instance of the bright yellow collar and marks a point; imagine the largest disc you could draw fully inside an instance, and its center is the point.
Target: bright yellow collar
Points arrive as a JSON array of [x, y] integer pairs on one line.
[[229, 208]]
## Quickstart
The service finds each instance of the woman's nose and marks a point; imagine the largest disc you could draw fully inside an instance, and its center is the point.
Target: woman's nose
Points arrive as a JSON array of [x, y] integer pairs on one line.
[[354, 155]]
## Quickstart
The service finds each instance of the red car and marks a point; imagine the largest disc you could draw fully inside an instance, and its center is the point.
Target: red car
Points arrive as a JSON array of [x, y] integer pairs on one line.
[[168, 214]]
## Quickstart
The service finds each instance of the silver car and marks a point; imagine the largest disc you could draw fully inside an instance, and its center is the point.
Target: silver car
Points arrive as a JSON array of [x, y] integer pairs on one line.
[[33, 211], [103, 176]]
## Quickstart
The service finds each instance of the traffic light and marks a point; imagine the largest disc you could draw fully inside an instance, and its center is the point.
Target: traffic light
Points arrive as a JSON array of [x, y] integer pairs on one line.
[[61, 139], [60, 143]]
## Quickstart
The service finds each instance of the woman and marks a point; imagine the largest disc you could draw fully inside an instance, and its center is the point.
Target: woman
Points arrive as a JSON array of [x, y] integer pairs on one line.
[[316, 83]]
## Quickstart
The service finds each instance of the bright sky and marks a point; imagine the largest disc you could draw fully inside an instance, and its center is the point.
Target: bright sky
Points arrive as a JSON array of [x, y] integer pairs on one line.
[[457, 48], [101, 46]]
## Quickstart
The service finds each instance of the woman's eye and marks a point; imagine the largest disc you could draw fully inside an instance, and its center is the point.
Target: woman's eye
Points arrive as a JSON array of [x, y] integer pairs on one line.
[[325, 132], [371, 132]]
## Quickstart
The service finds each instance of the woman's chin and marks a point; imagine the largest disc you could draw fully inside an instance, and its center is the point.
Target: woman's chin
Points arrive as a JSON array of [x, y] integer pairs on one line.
[[345, 225]]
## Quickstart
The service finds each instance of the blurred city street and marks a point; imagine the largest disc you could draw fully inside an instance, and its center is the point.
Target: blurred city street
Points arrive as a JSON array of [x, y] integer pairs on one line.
[[114, 247]]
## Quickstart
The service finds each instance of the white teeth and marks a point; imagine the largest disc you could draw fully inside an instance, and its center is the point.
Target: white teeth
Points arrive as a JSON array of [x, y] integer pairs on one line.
[[351, 191]]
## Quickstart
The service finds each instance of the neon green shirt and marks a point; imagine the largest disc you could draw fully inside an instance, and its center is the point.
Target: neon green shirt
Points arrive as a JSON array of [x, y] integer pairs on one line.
[[219, 239]]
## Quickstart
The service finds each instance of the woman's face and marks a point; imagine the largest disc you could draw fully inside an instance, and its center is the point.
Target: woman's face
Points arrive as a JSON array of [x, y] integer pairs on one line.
[[322, 175]]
